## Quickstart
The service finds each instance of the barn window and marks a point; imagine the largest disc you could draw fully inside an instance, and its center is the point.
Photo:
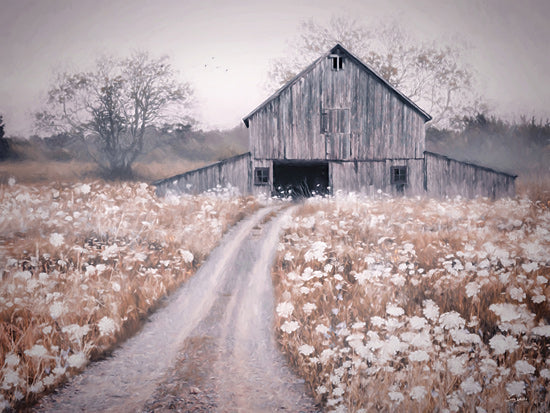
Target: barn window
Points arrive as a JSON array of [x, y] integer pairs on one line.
[[261, 176], [399, 175], [337, 61]]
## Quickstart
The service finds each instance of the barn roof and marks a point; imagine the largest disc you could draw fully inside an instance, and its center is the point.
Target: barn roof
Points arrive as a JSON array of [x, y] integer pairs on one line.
[[341, 49]]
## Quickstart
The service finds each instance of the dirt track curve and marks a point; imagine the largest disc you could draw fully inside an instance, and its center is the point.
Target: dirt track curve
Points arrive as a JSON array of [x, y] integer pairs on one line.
[[211, 348]]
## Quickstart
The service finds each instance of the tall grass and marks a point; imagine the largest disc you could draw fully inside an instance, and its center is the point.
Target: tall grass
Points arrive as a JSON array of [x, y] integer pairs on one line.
[[418, 305], [82, 264]]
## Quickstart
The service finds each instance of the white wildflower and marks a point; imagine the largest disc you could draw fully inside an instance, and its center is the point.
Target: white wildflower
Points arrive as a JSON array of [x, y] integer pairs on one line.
[[338, 391], [290, 326], [543, 330], [537, 299], [115, 286], [545, 373], [530, 267], [517, 294], [316, 252], [523, 367], [22, 275], [77, 360], [326, 355], [11, 181], [472, 289], [187, 256], [454, 401], [418, 323], [396, 396], [456, 365], [306, 349], [394, 310], [76, 332], [321, 390], [515, 388], [322, 329], [11, 378], [106, 326], [418, 393], [288, 256], [430, 310], [358, 325], [36, 387], [541, 280], [470, 386], [83, 189], [506, 312], [501, 344], [462, 336], [309, 307], [419, 355], [38, 351], [12, 360], [57, 309], [285, 309], [56, 239], [451, 320]]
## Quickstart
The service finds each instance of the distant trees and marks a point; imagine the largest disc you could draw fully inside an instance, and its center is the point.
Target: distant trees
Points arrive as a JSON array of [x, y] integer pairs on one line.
[[4, 145], [113, 105], [522, 146], [432, 76]]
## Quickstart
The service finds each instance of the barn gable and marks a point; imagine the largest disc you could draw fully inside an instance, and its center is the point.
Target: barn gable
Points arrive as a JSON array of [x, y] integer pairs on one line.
[[338, 108]]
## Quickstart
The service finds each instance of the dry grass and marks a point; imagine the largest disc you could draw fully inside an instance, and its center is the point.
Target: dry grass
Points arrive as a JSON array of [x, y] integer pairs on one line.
[[397, 304], [82, 264], [535, 187], [44, 171]]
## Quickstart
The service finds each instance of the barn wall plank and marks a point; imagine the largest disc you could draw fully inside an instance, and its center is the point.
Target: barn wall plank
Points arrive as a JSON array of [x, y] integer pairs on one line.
[[235, 172], [448, 177]]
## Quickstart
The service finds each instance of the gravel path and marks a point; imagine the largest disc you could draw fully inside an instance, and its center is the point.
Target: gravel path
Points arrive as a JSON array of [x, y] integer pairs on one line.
[[211, 348]]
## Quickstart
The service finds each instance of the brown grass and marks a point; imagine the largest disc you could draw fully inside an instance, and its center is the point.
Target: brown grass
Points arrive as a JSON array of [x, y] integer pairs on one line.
[[409, 251], [97, 257], [44, 171]]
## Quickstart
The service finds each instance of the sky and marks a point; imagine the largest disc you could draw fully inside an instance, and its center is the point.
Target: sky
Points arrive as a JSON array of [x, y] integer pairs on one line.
[[225, 48]]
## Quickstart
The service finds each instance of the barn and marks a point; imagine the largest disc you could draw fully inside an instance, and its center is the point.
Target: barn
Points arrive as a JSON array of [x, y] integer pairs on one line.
[[339, 126]]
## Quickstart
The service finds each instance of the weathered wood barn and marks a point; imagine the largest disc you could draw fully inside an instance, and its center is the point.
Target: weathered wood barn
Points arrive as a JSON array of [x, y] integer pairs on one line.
[[338, 125]]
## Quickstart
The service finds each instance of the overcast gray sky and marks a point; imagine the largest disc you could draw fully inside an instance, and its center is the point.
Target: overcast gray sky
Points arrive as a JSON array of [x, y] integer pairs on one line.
[[509, 38]]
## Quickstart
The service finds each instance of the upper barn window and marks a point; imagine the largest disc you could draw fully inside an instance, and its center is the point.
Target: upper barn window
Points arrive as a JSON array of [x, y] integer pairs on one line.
[[337, 61]]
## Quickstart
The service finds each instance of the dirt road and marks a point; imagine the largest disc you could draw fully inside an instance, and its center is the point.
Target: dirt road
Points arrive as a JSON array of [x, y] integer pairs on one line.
[[211, 348]]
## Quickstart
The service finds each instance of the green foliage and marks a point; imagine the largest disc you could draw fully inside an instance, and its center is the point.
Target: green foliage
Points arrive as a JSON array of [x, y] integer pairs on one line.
[[111, 107], [432, 76]]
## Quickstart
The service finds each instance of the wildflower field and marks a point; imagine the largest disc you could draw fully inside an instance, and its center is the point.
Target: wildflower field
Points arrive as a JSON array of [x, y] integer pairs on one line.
[[82, 265], [410, 304]]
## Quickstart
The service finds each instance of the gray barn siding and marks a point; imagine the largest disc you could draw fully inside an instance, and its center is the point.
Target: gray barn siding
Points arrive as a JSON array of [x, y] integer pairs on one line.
[[380, 123], [234, 171], [369, 176], [449, 177]]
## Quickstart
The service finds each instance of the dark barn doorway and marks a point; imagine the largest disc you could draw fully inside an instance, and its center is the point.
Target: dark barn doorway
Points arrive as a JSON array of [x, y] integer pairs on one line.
[[300, 179]]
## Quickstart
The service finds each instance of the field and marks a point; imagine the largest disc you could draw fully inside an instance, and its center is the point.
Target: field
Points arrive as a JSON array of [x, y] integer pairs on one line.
[[417, 305], [82, 265], [382, 303]]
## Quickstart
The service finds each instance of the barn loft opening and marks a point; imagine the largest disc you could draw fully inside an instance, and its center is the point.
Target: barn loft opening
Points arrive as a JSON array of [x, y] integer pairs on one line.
[[300, 179], [337, 61]]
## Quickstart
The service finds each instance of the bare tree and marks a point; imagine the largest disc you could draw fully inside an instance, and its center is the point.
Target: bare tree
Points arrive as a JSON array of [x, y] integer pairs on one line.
[[432, 76], [112, 106]]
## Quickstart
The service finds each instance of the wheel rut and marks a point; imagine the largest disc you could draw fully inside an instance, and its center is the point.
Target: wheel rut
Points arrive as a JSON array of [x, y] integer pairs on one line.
[[211, 348]]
